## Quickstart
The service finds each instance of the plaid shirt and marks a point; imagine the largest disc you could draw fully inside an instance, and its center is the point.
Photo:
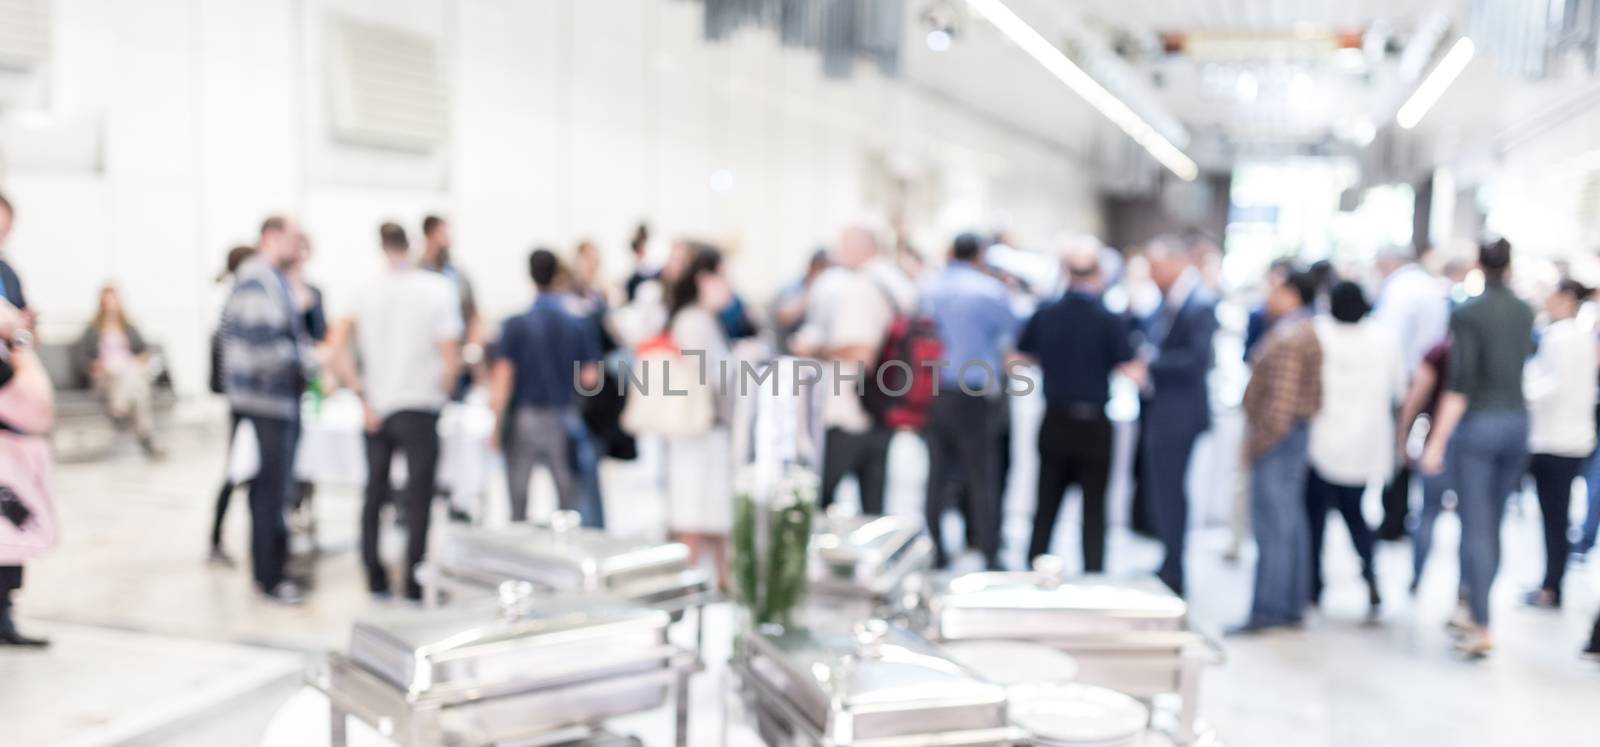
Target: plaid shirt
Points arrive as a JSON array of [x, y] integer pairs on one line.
[[1285, 387]]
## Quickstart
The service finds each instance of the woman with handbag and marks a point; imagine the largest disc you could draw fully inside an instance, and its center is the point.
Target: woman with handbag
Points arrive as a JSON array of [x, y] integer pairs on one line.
[[27, 517], [700, 464]]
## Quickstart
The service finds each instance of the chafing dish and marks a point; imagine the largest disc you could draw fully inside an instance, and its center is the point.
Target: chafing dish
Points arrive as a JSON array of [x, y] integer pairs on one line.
[[565, 559], [863, 566], [1013, 662], [1126, 634], [879, 687], [867, 556], [522, 667]]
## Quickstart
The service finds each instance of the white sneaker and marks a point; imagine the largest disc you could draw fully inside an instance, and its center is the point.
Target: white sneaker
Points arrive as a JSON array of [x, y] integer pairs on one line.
[[286, 593]]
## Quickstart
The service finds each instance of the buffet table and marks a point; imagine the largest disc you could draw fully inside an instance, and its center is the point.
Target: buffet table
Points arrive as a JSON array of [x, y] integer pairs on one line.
[[333, 450]]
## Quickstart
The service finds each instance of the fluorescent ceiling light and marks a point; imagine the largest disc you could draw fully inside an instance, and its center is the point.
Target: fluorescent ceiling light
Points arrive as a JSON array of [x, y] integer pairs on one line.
[[1433, 86], [1081, 83]]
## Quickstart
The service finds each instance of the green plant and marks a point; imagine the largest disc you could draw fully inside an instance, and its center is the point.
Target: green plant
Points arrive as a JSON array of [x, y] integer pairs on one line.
[[770, 553]]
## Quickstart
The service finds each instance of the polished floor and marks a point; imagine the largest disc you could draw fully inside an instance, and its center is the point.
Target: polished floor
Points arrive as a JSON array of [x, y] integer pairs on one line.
[[155, 647]]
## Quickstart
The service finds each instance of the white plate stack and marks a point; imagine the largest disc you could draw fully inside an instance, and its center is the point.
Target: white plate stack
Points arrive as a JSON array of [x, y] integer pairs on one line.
[[1073, 715]]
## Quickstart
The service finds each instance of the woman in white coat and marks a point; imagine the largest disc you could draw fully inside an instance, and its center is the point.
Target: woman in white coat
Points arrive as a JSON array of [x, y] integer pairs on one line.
[[1559, 383], [1352, 436], [700, 466]]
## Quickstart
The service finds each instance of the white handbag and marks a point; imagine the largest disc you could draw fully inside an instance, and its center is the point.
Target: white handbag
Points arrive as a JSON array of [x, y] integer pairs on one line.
[[666, 394]]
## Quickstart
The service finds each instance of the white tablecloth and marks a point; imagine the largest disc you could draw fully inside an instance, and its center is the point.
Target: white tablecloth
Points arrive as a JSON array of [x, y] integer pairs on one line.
[[333, 448]]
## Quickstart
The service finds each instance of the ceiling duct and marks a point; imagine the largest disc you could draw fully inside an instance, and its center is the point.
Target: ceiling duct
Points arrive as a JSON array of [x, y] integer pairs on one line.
[[1528, 37], [842, 30]]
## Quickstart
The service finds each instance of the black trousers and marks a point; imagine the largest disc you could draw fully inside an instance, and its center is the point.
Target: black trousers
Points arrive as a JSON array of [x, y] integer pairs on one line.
[[864, 455], [269, 494], [1074, 449], [1552, 479], [1002, 444], [1321, 496], [1139, 511], [1396, 505], [416, 435], [961, 445], [225, 495], [10, 580]]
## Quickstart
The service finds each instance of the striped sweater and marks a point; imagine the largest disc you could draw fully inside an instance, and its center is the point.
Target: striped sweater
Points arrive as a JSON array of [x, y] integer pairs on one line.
[[266, 356]]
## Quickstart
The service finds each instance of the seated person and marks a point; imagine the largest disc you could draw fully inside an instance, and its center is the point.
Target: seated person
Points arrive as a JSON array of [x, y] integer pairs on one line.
[[112, 358]]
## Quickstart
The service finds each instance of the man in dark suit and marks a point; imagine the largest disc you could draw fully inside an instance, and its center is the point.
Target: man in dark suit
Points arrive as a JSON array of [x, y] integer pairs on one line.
[[1176, 406]]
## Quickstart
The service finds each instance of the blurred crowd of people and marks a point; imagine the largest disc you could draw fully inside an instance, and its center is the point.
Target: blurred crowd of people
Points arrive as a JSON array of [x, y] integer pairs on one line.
[[1467, 395]]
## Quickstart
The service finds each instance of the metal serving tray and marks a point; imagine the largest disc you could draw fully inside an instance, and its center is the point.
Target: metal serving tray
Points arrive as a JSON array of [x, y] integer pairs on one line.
[[566, 557], [867, 556], [881, 687], [484, 649], [1129, 635], [1039, 606], [428, 721], [483, 674]]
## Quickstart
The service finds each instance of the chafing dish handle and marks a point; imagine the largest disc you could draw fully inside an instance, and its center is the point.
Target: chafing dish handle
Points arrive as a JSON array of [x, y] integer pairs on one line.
[[514, 598]]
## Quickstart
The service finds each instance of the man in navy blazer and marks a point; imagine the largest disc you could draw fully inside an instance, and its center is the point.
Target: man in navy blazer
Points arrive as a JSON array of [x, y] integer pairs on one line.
[[1176, 404]]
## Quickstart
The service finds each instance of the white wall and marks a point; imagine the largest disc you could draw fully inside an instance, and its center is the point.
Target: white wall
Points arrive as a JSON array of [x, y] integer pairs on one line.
[[569, 118]]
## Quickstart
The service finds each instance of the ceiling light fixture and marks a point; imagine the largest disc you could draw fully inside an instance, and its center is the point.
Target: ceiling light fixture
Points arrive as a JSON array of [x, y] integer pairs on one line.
[[1434, 85], [1081, 83]]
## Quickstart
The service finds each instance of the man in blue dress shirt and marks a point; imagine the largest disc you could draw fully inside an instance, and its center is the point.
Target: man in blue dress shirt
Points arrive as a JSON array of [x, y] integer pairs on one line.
[[976, 327]]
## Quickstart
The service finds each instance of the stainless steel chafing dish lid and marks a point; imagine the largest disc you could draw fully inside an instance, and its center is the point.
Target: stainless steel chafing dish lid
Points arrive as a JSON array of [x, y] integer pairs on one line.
[[518, 642], [562, 556], [881, 683], [1040, 606], [873, 553]]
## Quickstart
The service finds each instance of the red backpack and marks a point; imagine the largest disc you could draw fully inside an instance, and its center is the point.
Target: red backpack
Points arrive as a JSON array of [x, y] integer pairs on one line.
[[900, 391]]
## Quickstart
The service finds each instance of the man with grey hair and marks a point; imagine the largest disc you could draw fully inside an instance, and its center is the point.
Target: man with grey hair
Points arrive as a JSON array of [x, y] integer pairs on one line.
[[1415, 307], [1176, 406], [848, 317]]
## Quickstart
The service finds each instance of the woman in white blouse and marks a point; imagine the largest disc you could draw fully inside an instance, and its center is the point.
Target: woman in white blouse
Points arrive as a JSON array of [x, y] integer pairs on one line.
[[700, 467], [1352, 436], [1559, 383]]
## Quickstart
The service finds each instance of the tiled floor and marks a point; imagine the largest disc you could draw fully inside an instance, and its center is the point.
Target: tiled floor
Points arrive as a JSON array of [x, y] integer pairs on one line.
[[154, 647]]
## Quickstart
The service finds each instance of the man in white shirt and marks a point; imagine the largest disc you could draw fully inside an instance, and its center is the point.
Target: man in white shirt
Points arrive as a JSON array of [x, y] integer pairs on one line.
[[406, 327], [1415, 307], [848, 317]]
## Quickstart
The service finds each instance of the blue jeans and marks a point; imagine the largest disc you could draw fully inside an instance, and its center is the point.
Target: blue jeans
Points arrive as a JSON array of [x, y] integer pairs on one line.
[[585, 470], [1283, 535], [1491, 451], [1433, 489], [1591, 516]]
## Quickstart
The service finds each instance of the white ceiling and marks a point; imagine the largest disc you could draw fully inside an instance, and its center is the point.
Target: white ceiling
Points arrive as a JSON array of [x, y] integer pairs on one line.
[[1245, 15], [1268, 103]]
